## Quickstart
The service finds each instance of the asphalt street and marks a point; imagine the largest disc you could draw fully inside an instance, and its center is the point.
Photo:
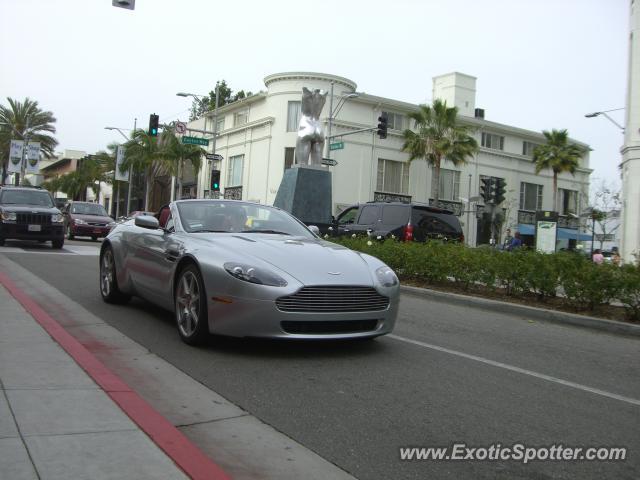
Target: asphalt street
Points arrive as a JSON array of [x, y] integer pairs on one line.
[[449, 374]]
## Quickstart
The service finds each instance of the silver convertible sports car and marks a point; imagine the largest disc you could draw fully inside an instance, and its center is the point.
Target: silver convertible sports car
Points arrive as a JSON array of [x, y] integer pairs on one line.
[[243, 269]]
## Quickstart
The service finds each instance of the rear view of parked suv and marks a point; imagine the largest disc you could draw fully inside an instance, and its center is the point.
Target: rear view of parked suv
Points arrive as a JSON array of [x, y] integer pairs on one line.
[[404, 221], [29, 213]]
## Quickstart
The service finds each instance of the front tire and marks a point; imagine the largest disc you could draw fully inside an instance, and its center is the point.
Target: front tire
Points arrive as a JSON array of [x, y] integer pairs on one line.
[[108, 280], [58, 243], [190, 303]]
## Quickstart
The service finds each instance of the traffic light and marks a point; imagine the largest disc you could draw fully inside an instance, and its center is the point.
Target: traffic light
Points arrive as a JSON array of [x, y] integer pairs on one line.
[[382, 125], [154, 120], [486, 189], [215, 180], [501, 188]]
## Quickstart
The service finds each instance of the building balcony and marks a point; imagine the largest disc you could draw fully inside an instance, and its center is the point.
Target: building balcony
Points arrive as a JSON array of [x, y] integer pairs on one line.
[[456, 207], [233, 193], [391, 197], [528, 217]]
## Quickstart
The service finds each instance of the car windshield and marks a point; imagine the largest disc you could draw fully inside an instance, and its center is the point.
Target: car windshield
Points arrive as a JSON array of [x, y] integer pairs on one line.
[[233, 217], [89, 209], [26, 197]]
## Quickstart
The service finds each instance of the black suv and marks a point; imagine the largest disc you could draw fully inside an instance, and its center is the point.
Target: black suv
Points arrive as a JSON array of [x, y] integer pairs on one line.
[[29, 213], [405, 221]]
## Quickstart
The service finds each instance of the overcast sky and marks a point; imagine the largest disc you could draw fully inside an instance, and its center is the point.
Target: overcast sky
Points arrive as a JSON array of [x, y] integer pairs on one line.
[[540, 64]]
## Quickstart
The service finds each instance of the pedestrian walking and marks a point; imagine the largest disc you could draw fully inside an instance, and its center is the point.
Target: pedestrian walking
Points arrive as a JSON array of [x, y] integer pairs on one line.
[[597, 257], [516, 242]]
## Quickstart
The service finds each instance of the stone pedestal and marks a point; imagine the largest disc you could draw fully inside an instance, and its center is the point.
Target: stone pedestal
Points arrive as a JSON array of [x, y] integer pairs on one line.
[[305, 192]]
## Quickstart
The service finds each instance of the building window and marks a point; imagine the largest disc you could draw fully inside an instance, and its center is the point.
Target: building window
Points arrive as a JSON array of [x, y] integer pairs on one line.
[[289, 157], [449, 185], [395, 120], [528, 148], [220, 124], [393, 176], [234, 174], [530, 196], [293, 116], [489, 140], [240, 118], [568, 201]]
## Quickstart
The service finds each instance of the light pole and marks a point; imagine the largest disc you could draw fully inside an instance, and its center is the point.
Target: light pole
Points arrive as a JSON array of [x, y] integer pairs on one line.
[[215, 121], [135, 123], [604, 114], [333, 113]]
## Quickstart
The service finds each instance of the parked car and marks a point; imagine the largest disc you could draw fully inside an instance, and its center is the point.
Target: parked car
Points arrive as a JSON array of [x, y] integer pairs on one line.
[[86, 219], [141, 212], [244, 269], [29, 213], [404, 221]]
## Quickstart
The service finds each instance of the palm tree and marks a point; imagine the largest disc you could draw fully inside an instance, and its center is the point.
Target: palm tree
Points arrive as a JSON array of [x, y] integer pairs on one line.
[[559, 155], [142, 154], [174, 154], [438, 137], [25, 120]]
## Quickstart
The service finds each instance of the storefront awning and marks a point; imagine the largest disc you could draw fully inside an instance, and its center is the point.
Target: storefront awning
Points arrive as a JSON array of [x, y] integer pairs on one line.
[[563, 233]]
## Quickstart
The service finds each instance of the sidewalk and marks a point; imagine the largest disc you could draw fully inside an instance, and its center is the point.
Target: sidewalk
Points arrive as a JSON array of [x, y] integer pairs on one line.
[[57, 423]]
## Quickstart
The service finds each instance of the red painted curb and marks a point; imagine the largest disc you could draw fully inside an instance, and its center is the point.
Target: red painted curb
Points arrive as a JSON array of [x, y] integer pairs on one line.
[[177, 447]]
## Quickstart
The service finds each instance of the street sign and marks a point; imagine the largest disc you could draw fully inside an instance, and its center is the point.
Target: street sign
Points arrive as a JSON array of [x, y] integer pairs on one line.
[[329, 161], [214, 156], [336, 146], [181, 127], [195, 141]]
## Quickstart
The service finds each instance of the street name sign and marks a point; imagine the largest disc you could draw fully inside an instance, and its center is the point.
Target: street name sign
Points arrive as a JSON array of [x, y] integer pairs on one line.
[[214, 156], [195, 141], [336, 146], [329, 161]]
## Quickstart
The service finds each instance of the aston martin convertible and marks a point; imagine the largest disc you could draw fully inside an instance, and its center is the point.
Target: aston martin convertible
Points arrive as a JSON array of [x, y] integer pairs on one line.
[[247, 270]]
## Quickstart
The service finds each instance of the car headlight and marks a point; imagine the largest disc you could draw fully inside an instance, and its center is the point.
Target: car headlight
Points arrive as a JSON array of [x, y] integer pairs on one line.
[[9, 216], [387, 277], [79, 221], [252, 274], [111, 224], [57, 218]]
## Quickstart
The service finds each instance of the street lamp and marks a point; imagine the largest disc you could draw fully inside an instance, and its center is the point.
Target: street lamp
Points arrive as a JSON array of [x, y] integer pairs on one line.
[[215, 118], [333, 113], [119, 130], [604, 114]]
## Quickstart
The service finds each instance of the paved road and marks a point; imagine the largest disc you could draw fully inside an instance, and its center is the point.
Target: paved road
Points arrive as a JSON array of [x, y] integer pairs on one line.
[[448, 374]]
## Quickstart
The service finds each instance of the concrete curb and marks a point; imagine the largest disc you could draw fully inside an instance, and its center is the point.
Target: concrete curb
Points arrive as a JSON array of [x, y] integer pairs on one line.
[[542, 314]]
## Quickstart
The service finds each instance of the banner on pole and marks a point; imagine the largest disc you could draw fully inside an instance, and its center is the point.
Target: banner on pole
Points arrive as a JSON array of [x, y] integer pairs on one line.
[[119, 174], [33, 157], [15, 156]]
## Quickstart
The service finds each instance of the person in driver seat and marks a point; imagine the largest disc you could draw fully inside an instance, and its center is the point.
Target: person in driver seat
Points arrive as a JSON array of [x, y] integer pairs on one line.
[[237, 220]]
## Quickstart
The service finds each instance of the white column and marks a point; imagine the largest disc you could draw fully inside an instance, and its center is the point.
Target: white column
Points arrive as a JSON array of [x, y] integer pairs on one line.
[[630, 222]]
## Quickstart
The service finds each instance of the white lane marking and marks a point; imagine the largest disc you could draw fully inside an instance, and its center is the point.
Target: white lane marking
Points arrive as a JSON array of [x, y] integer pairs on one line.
[[70, 250], [523, 371]]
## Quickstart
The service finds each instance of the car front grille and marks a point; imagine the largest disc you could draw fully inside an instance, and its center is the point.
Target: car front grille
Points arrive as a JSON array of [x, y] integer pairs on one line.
[[34, 218], [333, 299], [329, 327]]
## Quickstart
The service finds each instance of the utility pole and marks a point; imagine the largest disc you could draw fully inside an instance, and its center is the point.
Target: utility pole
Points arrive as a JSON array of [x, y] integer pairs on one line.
[[25, 147], [328, 139], [135, 124]]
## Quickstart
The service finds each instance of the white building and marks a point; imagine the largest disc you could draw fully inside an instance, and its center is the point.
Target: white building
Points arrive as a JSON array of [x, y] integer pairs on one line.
[[257, 137], [630, 241]]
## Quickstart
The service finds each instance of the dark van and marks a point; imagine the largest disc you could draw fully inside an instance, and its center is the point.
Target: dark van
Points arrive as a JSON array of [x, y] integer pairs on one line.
[[405, 221]]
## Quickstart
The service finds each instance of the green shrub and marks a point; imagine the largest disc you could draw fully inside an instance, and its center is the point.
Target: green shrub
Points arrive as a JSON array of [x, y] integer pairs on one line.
[[586, 284], [629, 294]]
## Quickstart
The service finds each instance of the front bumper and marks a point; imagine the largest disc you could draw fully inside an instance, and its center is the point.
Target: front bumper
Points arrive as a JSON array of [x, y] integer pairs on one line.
[[19, 231], [89, 231], [243, 317]]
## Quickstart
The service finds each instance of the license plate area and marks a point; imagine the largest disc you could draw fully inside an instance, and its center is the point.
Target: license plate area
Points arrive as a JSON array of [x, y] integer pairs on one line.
[[97, 230], [34, 228]]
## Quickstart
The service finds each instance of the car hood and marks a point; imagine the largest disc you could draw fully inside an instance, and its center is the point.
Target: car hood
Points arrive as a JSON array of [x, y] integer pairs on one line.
[[28, 208], [91, 218], [310, 261]]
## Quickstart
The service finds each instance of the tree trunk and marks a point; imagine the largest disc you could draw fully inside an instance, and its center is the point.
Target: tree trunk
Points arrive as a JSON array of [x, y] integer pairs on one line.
[[179, 196], [555, 192], [147, 189], [435, 184]]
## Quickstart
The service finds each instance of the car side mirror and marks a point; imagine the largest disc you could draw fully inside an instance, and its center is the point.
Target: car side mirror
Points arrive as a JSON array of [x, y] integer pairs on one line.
[[145, 221], [314, 229]]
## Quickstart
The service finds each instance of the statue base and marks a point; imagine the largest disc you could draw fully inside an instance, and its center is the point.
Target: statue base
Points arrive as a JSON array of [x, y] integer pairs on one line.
[[305, 192]]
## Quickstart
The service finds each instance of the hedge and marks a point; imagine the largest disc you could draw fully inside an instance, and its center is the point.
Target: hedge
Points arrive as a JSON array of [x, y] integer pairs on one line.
[[572, 278]]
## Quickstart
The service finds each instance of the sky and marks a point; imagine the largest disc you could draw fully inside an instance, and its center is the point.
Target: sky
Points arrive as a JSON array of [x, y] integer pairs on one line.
[[539, 64]]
